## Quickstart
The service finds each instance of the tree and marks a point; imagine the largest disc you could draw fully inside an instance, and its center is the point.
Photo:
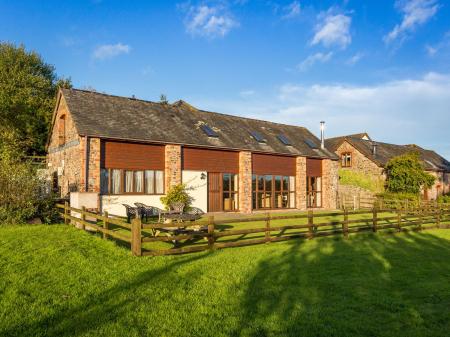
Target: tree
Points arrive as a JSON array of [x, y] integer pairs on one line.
[[28, 89], [406, 174]]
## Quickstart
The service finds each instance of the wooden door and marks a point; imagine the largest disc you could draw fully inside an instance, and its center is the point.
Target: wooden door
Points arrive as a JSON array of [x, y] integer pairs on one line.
[[214, 192]]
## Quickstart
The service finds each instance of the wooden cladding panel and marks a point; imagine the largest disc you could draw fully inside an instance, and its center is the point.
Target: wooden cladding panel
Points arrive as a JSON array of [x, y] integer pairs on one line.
[[271, 164], [313, 167], [215, 192], [210, 160], [132, 156]]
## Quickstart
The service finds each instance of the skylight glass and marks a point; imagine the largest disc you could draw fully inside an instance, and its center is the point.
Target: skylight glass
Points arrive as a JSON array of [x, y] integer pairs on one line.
[[284, 140], [210, 132], [311, 144], [258, 137]]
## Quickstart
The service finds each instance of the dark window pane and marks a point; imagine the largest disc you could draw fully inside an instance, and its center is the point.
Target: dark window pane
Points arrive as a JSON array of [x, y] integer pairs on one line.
[[104, 181], [210, 132], [260, 183], [258, 137], [268, 180], [277, 183], [253, 182], [284, 140], [226, 181], [285, 183]]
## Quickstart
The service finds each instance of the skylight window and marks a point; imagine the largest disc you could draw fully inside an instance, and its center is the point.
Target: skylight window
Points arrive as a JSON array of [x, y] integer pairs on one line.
[[258, 137], [210, 132], [311, 144], [284, 140]]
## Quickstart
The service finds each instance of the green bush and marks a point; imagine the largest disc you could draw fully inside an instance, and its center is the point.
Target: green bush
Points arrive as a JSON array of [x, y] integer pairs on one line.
[[178, 193], [399, 200], [406, 174], [22, 192], [444, 198], [352, 178]]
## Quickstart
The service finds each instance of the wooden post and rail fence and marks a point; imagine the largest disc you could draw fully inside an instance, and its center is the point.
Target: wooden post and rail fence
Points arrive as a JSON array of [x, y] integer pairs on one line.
[[214, 234]]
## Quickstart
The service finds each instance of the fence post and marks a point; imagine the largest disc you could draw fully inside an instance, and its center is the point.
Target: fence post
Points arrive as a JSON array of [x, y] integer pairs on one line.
[[211, 238], [438, 216], [136, 236], [105, 225], [66, 213], [345, 224], [375, 220], [268, 227], [399, 220], [354, 202], [420, 218], [310, 224], [83, 217]]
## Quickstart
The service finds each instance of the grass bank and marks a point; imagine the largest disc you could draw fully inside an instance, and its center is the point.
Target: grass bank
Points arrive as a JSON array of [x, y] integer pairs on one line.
[[60, 281]]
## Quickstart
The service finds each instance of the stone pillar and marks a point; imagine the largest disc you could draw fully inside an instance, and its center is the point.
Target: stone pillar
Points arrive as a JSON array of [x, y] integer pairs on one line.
[[93, 166], [245, 182], [172, 169], [330, 179], [300, 183]]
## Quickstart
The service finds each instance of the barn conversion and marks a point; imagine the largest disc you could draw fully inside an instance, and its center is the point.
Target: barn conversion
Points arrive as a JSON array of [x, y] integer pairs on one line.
[[126, 150]]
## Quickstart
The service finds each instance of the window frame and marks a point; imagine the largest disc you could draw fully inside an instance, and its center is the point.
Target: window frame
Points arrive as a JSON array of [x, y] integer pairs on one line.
[[62, 130], [345, 163], [314, 192], [133, 184], [232, 193], [273, 191]]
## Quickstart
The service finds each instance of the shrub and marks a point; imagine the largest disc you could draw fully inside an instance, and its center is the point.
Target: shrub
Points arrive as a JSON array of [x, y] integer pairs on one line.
[[178, 193], [399, 200], [444, 198], [22, 192], [406, 174], [352, 178]]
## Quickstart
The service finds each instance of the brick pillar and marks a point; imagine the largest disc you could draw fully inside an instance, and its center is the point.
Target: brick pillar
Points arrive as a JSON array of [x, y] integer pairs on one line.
[[330, 180], [93, 167], [300, 183], [245, 182], [172, 170]]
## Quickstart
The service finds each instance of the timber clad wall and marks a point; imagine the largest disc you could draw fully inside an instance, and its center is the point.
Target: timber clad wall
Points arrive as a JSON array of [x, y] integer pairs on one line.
[[210, 160], [313, 167], [132, 156], [272, 164]]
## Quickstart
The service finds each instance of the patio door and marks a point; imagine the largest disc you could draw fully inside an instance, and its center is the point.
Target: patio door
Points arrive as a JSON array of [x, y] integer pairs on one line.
[[214, 192]]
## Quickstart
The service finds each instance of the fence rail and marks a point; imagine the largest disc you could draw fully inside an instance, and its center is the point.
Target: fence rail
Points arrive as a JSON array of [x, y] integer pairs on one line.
[[268, 228]]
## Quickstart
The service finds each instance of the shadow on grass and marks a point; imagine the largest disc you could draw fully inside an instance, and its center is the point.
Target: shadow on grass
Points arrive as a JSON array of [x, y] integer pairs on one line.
[[365, 286], [100, 309]]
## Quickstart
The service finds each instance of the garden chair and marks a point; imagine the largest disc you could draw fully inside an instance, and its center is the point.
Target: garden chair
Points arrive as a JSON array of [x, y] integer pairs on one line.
[[147, 211], [131, 211], [176, 208]]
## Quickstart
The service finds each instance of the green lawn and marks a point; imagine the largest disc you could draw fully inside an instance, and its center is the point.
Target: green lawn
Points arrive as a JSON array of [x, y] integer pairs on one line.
[[60, 281]]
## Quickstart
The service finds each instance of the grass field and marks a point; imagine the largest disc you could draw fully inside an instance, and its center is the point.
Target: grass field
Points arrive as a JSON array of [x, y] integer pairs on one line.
[[60, 281]]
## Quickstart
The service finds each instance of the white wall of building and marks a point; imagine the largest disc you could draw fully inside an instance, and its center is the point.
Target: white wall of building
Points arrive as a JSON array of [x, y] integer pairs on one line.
[[113, 203], [198, 187]]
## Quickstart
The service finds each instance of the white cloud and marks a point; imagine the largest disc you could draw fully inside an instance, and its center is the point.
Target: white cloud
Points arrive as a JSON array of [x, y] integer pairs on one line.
[[312, 59], [110, 50], [247, 93], [355, 59], [209, 21], [431, 51], [415, 13], [401, 111], [333, 30], [292, 10]]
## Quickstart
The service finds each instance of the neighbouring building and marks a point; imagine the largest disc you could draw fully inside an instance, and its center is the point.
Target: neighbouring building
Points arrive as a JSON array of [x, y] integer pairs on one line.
[[360, 153], [125, 150]]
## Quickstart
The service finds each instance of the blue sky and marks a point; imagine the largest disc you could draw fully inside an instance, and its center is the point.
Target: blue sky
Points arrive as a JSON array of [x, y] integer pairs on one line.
[[376, 66]]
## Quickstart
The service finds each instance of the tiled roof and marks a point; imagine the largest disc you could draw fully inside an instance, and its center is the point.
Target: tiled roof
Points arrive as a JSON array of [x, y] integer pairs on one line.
[[386, 151], [114, 117]]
